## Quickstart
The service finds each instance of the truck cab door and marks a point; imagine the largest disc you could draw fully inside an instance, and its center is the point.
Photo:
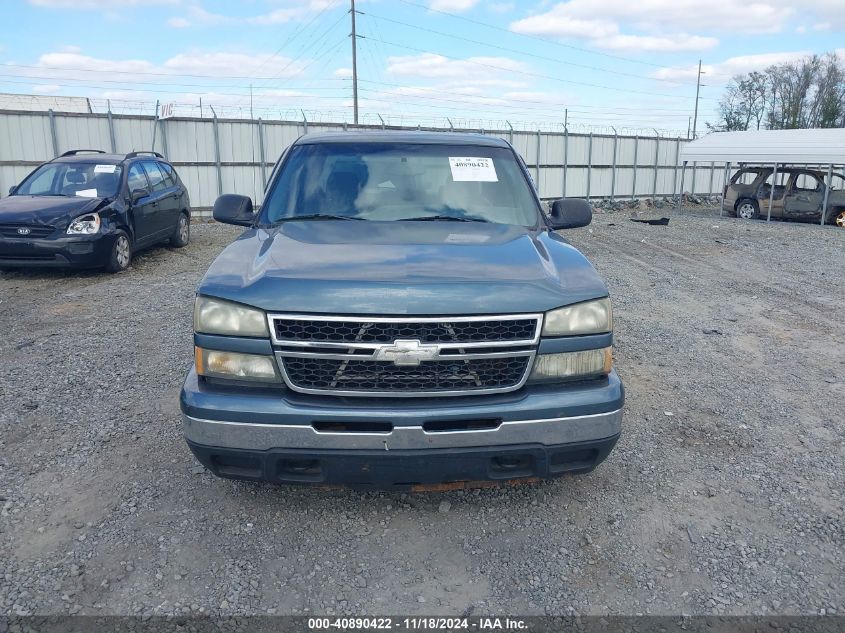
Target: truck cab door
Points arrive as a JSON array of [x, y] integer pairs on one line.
[[142, 210], [804, 197]]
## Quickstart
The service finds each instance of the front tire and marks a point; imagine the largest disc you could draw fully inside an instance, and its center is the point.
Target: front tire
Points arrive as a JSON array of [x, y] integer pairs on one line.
[[182, 235], [121, 254], [747, 210], [838, 218]]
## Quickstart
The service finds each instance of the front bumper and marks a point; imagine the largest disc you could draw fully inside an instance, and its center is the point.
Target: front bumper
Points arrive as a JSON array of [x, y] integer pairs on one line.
[[405, 469], [383, 443], [83, 251]]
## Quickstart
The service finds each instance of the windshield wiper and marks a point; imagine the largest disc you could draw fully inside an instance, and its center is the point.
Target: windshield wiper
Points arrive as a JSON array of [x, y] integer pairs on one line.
[[444, 218], [316, 216]]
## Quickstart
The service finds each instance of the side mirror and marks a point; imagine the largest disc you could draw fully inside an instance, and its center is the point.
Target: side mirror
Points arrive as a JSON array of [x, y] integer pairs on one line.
[[137, 194], [230, 208], [570, 213], [12, 190]]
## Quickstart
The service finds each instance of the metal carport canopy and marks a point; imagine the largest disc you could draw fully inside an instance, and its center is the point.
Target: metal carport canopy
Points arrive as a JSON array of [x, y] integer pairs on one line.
[[795, 147]]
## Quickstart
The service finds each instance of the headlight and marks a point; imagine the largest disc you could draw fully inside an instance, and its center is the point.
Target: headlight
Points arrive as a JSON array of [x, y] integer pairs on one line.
[[589, 363], [590, 317], [217, 364], [214, 316], [87, 224]]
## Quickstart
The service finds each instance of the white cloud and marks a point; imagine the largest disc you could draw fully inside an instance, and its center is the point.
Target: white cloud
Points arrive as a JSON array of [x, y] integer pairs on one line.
[[472, 97], [196, 15], [72, 60], [178, 23], [672, 25], [657, 16], [679, 42], [297, 11], [46, 89], [230, 64], [501, 7], [577, 19], [73, 65], [343, 73], [723, 71], [452, 6], [431, 65]]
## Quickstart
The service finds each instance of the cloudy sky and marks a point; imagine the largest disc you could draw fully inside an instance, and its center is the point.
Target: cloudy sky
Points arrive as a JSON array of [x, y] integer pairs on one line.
[[625, 63]]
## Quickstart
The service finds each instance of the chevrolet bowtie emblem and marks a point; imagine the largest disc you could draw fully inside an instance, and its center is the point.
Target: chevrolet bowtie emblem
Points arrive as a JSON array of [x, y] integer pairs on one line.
[[407, 353]]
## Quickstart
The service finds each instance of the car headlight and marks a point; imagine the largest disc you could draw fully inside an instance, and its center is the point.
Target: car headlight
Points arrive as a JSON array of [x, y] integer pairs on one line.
[[590, 317], [590, 363], [216, 364], [87, 224], [215, 316]]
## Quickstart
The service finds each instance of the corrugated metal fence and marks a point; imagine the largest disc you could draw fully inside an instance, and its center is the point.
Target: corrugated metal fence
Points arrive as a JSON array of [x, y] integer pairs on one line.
[[216, 156]]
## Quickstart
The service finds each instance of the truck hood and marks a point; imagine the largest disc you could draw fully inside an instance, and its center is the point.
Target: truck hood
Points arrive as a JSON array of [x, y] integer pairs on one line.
[[55, 211], [398, 268]]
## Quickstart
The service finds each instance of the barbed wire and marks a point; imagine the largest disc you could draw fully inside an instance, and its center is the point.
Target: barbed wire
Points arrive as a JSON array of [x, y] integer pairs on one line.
[[342, 118]]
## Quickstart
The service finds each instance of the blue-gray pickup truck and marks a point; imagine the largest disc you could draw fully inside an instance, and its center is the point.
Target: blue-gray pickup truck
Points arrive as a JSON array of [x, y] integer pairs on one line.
[[401, 314]]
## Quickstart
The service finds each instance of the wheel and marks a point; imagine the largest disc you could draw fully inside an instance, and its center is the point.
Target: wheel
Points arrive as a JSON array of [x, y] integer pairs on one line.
[[748, 210], [838, 218], [121, 254], [182, 235]]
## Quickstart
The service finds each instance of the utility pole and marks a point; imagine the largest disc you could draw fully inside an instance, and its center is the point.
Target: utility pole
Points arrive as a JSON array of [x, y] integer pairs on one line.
[[354, 66], [697, 91]]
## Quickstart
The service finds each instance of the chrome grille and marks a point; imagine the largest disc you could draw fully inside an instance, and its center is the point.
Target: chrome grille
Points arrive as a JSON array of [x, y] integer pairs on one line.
[[369, 376], [29, 230], [483, 330], [405, 356]]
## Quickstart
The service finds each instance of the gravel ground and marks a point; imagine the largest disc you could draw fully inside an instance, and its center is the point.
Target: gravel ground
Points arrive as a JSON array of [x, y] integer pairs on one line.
[[724, 495]]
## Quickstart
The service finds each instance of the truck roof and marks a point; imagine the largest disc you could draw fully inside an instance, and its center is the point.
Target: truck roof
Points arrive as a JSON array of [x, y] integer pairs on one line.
[[401, 136]]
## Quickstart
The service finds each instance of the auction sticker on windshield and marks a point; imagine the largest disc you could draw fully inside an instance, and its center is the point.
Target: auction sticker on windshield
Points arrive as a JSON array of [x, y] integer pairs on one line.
[[472, 169]]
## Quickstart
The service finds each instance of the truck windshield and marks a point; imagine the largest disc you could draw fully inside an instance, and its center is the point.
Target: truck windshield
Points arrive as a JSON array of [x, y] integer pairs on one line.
[[396, 181], [87, 180]]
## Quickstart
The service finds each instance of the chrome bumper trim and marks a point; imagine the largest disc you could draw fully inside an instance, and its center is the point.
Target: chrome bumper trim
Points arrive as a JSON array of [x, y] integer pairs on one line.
[[259, 437]]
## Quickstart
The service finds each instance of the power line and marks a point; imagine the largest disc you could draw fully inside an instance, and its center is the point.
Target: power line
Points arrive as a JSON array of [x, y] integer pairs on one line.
[[301, 29], [572, 106], [530, 74], [147, 90], [51, 79], [319, 39], [518, 52], [515, 110], [144, 73], [498, 106]]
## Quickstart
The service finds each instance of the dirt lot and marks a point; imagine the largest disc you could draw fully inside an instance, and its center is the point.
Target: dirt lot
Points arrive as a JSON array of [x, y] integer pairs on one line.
[[724, 495]]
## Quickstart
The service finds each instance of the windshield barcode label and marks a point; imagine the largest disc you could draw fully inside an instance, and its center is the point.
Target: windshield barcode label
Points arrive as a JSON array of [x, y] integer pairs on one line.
[[472, 169]]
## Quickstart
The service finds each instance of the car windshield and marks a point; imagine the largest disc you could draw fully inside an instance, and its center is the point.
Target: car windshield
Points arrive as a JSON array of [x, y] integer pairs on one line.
[[402, 181], [86, 180]]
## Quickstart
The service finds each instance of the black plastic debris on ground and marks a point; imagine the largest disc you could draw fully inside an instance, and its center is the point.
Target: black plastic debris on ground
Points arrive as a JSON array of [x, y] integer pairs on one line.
[[658, 222]]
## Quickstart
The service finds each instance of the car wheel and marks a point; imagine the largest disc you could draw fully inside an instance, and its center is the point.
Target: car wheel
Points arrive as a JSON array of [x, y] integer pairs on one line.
[[182, 235], [839, 218], [747, 210], [121, 254]]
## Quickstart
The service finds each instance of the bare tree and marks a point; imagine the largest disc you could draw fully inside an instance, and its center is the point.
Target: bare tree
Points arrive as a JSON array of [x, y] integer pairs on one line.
[[809, 92]]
